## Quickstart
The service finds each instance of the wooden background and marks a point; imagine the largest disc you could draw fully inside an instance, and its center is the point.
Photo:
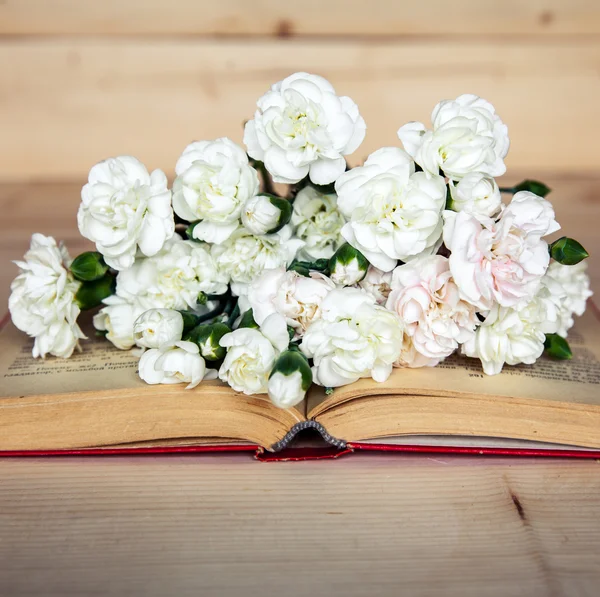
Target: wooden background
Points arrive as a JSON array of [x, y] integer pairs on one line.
[[81, 80]]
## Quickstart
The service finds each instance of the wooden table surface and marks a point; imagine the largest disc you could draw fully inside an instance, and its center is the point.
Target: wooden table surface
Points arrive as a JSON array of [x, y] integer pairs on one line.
[[226, 525]]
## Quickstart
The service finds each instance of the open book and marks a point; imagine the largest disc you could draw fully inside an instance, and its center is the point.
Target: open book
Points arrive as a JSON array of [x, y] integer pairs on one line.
[[95, 400]]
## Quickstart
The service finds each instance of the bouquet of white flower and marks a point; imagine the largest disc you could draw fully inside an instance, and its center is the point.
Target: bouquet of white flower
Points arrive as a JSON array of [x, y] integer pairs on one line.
[[349, 273]]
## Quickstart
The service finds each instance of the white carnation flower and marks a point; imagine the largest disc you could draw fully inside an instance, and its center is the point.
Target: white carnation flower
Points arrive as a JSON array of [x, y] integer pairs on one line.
[[117, 318], [466, 136], [251, 355], [303, 128], [501, 261], [394, 212], [244, 255], [568, 286], [179, 362], [173, 278], [42, 300], [477, 194], [428, 303], [123, 209], [264, 214], [512, 336], [214, 179], [158, 327], [353, 338], [317, 222], [295, 297], [377, 284]]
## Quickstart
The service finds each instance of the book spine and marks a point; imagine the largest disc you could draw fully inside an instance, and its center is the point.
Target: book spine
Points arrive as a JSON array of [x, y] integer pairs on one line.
[[298, 427]]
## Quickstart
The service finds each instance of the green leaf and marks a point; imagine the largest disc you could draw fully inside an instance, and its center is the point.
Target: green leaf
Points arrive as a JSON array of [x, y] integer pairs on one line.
[[247, 320], [298, 267], [91, 294], [533, 186], [189, 231], [190, 321], [567, 251], [88, 266], [557, 347], [449, 200]]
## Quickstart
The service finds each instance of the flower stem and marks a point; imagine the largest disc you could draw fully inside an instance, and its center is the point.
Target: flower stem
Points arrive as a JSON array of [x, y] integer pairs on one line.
[[266, 177], [507, 190]]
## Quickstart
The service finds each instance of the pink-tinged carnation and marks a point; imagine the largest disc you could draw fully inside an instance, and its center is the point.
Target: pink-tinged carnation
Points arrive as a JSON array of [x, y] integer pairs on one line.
[[297, 298], [500, 261], [428, 302]]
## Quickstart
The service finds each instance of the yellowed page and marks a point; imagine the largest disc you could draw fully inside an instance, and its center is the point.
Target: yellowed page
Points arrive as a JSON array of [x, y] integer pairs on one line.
[[96, 399], [576, 381], [98, 367]]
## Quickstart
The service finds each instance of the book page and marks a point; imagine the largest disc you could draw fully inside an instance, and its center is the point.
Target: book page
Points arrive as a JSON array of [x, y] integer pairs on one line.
[[99, 366], [576, 380]]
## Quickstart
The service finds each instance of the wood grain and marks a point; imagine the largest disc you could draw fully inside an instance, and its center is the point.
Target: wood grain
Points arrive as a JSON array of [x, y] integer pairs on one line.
[[67, 103], [312, 17], [225, 525]]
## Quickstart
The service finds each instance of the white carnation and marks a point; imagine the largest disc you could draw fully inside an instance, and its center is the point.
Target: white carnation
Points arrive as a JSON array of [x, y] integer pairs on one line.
[[42, 300], [477, 194], [301, 127], [501, 261], [466, 136], [512, 336], [158, 327], [179, 362], [377, 284], [318, 222], [394, 212], [295, 297], [116, 318], [123, 209], [214, 179], [244, 256], [251, 355], [353, 338], [428, 303], [174, 278], [569, 287]]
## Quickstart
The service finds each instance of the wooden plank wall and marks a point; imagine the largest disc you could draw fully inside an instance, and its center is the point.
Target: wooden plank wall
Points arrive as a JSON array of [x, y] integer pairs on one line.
[[81, 80]]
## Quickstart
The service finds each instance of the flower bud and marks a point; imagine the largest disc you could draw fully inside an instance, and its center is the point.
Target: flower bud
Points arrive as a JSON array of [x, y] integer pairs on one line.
[[290, 379], [91, 294], [348, 266], [158, 327], [266, 214], [557, 347], [207, 337], [88, 266], [477, 194], [567, 251], [533, 186]]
